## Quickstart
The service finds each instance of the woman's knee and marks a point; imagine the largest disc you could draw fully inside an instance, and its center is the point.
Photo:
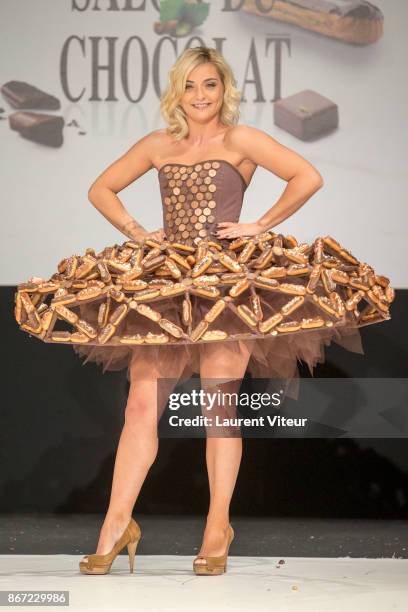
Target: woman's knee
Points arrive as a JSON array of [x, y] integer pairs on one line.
[[224, 360], [141, 411]]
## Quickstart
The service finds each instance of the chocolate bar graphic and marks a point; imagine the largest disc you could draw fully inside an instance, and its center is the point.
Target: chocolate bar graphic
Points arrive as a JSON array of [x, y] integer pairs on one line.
[[352, 21], [25, 96], [306, 115], [38, 127]]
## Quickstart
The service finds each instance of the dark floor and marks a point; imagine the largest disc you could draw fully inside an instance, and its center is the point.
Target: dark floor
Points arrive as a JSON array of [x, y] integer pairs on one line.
[[166, 535]]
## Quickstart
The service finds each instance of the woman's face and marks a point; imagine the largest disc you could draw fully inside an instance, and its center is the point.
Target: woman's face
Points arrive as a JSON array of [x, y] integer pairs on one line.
[[204, 93]]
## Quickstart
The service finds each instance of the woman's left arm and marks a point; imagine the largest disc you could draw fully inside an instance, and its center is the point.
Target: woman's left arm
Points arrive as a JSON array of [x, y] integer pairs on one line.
[[302, 177]]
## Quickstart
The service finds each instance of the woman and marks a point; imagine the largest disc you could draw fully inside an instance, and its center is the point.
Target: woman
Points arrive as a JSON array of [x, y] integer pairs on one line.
[[200, 106]]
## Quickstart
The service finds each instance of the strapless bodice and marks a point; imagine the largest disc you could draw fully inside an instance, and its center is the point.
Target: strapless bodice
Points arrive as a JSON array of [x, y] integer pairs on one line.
[[198, 196]]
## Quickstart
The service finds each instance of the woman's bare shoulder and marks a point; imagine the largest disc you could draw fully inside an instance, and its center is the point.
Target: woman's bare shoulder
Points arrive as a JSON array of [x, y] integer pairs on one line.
[[161, 145], [155, 138], [160, 137], [236, 139], [242, 134], [266, 151]]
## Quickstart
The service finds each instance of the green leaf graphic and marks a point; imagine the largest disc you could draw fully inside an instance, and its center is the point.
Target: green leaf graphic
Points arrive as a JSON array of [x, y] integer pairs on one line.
[[171, 9], [196, 14]]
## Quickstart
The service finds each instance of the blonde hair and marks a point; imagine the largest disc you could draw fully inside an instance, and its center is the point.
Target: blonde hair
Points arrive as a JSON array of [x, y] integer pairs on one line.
[[187, 61]]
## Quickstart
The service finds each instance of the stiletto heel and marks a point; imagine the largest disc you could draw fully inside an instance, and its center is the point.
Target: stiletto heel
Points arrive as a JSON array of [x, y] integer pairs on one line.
[[214, 566], [101, 564], [131, 552]]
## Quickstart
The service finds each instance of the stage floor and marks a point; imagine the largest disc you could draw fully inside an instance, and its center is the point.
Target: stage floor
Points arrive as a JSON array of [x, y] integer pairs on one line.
[[281, 564], [166, 582]]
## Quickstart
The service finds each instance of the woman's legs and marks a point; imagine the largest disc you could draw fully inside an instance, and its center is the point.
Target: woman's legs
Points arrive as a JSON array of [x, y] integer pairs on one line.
[[223, 454], [138, 444]]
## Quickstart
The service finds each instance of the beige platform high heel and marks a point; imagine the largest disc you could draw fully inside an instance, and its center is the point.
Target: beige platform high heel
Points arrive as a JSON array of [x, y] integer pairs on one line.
[[214, 566], [101, 564]]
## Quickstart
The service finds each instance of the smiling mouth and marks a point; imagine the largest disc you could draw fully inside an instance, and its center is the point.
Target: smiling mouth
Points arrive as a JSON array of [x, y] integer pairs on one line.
[[202, 105]]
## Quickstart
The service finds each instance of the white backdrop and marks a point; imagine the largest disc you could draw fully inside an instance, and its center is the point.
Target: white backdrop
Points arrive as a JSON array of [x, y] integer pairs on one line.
[[45, 212]]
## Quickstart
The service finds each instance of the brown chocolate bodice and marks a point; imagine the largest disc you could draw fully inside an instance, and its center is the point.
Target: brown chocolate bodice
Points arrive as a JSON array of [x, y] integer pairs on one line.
[[198, 196]]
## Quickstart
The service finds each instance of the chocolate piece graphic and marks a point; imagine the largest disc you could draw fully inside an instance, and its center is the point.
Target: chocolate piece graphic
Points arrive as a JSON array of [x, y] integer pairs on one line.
[[25, 96], [352, 21], [306, 115], [39, 127]]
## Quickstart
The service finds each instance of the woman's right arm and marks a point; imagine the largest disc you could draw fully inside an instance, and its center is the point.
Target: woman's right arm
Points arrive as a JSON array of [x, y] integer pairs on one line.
[[102, 193]]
